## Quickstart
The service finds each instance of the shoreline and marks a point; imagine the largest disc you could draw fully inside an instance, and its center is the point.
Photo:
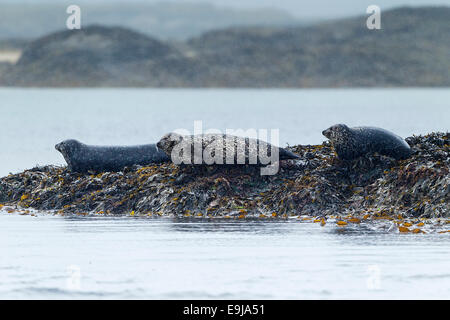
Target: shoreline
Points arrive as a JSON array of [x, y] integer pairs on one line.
[[318, 186]]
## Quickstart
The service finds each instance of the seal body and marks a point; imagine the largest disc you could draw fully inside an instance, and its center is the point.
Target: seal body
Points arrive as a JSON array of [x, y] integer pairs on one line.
[[218, 149], [351, 143], [82, 158]]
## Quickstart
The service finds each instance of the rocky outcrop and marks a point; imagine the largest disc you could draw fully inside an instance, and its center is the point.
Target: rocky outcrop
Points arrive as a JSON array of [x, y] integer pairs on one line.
[[318, 185]]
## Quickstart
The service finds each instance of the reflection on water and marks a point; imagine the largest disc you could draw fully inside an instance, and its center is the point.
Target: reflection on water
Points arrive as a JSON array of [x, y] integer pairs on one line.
[[227, 225], [223, 259]]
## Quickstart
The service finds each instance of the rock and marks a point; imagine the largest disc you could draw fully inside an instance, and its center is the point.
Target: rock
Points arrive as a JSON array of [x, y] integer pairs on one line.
[[324, 185]]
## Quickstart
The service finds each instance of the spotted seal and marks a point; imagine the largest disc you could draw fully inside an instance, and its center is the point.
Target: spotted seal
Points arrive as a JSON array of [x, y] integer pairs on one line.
[[351, 143], [82, 158], [221, 149]]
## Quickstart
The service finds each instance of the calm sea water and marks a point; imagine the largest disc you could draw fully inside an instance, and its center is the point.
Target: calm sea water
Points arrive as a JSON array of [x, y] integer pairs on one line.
[[98, 257], [130, 258]]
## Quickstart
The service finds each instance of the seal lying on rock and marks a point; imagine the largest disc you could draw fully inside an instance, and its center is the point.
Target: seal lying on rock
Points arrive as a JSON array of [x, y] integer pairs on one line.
[[82, 158], [209, 149], [351, 143]]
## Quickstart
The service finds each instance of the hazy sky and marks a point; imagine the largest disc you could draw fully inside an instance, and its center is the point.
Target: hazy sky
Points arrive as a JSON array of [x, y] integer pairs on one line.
[[301, 8]]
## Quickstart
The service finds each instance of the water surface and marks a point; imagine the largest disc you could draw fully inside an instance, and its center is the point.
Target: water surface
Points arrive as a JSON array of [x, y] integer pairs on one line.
[[49, 257]]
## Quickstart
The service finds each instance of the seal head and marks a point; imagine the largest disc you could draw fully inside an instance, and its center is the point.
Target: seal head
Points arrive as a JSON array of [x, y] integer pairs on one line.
[[168, 142], [69, 148], [337, 132]]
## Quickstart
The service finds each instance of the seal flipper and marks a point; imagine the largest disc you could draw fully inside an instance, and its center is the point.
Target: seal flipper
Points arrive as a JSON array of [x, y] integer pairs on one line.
[[286, 154]]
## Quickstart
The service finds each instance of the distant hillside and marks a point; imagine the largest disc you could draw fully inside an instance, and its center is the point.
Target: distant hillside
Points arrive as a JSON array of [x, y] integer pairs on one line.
[[4, 67], [165, 20], [412, 49], [92, 56]]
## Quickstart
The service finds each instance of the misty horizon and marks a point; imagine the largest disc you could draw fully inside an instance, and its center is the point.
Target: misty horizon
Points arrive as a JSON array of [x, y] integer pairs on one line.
[[320, 9]]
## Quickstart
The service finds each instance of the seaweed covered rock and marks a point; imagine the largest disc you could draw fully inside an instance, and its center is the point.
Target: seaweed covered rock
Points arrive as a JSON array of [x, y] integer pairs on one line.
[[318, 185]]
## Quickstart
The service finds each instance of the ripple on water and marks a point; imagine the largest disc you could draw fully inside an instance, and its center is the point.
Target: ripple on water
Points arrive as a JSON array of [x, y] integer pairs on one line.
[[178, 259]]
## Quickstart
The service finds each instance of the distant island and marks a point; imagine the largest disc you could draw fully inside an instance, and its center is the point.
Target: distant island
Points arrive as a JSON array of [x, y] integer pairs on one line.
[[411, 49]]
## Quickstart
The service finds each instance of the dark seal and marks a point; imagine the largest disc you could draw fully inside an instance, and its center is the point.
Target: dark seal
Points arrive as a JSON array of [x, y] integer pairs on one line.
[[220, 149], [82, 158], [351, 143]]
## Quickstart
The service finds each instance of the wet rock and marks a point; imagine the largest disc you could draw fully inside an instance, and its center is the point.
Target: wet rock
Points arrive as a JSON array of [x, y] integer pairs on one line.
[[318, 185]]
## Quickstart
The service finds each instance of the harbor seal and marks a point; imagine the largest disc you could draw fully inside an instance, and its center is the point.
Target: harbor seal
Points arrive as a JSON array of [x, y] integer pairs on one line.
[[351, 143], [218, 149], [82, 158]]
